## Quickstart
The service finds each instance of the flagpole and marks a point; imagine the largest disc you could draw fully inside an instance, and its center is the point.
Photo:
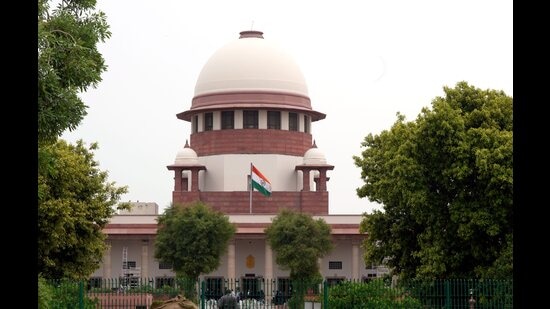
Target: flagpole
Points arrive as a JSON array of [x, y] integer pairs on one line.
[[251, 187]]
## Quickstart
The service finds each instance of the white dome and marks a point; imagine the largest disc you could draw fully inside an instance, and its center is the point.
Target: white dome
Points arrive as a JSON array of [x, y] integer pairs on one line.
[[186, 156], [251, 64], [314, 156]]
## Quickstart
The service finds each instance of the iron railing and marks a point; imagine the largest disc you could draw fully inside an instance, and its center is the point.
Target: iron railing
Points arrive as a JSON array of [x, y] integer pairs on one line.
[[141, 293]]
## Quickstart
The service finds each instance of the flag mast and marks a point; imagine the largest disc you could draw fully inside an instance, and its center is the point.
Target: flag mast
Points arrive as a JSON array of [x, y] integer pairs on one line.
[[251, 188]]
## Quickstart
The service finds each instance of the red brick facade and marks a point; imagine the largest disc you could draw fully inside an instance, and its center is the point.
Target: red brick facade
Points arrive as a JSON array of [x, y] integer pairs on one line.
[[251, 141], [312, 202]]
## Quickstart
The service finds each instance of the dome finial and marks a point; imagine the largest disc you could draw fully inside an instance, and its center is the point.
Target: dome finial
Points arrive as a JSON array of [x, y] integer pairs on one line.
[[314, 156], [186, 156], [251, 34]]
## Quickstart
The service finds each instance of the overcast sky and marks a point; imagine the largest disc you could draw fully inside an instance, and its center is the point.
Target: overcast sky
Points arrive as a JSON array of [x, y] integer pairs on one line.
[[363, 62]]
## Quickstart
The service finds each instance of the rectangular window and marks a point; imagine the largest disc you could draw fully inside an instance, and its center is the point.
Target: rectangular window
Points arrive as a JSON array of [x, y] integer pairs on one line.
[[129, 281], [283, 291], [335, 265], [227, 120], [334, 281], [208, 121], [165, 265], [292, 122], [196, 124], [252, 288], [129, 265], [94, 282], [164, 281], [306, 124], [273, 120], [369, 277], [250, 119], [214, 288]]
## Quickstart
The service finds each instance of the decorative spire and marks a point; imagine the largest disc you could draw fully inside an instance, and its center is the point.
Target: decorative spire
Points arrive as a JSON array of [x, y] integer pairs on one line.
[[314, 145], [186, 144]]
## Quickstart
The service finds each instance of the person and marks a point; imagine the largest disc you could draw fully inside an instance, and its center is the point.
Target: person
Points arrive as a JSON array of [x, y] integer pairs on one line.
[[239, 295], [228, 301], [278, 298], [261, 296]]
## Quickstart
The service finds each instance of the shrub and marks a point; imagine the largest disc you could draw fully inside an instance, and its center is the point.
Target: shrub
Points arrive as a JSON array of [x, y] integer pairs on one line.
[[62, 294], [374, 294], [45, 294]]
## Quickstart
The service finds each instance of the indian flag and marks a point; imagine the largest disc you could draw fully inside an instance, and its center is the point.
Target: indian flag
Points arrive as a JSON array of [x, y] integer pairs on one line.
[[260, 182]]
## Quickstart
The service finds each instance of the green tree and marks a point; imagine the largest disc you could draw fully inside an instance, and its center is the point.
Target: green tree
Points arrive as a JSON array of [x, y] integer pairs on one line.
[[75, 202], [298, 242], [192, 238], [74, 197], [68, 63], [446, 185]]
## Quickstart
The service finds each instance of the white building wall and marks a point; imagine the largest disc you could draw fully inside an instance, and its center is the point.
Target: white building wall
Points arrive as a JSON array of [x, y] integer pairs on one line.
[[217, 119], [262, 119], [243, 248], [284, 120], [134, 254], [341, 252], [253, 249], [200, 123], [256, 248], [229, 172], [140, 208], [101, 270], [238, 118]]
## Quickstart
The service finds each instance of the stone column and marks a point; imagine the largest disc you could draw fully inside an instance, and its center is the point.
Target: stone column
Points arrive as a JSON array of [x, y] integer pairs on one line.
[[355, 260], [107, 262], [145, 258], [305, 186], [231, 261], [268, 273], [322, 180], [177, 179], [194, 180]]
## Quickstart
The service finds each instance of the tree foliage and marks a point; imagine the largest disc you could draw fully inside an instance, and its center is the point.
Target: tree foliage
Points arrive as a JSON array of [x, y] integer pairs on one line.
[[75, 201], [445, 181], [75, 198], [192, 238], [298, 242], [68, 63]]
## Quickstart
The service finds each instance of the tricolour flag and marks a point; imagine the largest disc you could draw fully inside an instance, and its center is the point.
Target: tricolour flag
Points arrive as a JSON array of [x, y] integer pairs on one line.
[[260, 182]]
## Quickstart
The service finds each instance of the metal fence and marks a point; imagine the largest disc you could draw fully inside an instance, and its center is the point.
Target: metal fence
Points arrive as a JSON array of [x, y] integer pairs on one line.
[[141, 293]]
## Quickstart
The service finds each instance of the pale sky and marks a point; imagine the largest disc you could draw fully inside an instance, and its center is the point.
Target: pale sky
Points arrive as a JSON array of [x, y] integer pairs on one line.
[[363, 62]]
